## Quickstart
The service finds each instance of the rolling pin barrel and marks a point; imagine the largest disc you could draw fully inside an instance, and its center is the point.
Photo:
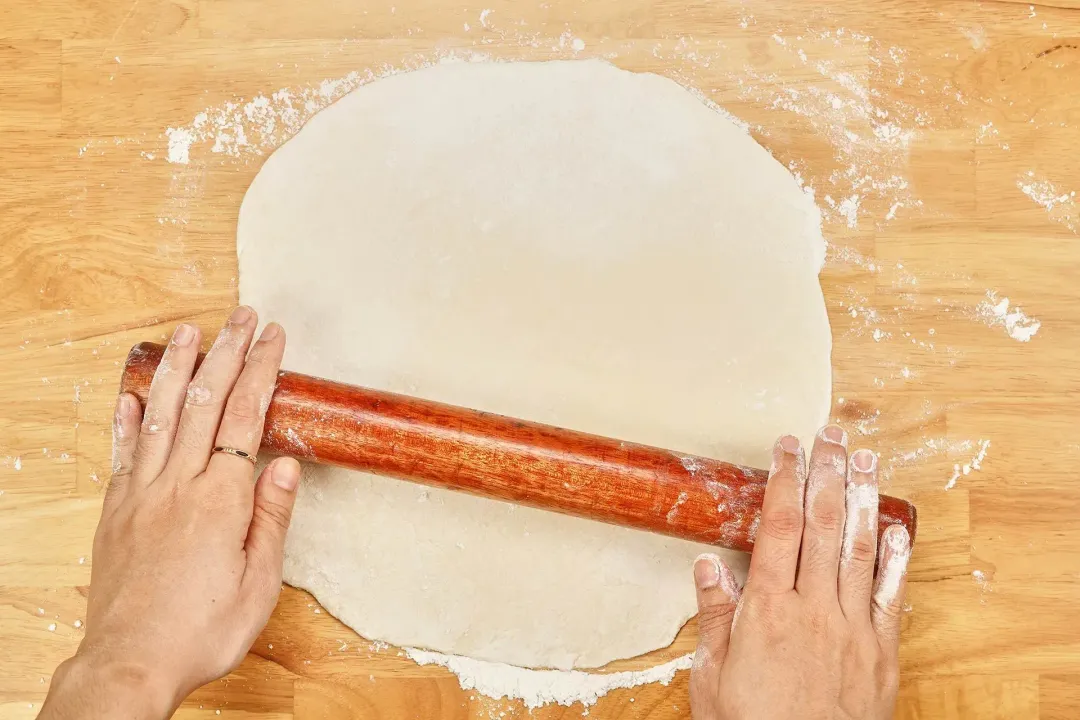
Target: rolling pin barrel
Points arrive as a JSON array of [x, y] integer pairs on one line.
[[598, 478]]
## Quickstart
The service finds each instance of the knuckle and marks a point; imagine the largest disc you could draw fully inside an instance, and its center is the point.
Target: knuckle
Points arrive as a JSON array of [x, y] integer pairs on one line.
[[825, 517], [274, 514], [782, 523], [156, 423], [121, 468], [861, 551], [715, 617], [244, 406], [261, 353], [889, 609], [198, 395], [783, 473], [830, 461]]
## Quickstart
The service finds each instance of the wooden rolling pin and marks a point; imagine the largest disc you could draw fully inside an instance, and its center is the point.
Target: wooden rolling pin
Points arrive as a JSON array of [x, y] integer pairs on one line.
[[494, 456]]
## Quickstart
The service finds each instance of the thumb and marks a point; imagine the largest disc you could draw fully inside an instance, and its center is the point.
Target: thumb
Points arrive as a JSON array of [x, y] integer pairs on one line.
[[887, 604], [717, 596], [275, 494]]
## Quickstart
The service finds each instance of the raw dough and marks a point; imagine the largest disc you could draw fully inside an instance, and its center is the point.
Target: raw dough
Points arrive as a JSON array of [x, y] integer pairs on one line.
[[565, 242]]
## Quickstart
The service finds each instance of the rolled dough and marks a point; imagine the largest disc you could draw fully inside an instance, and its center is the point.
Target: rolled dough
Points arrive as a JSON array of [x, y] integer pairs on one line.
[[565, 242]]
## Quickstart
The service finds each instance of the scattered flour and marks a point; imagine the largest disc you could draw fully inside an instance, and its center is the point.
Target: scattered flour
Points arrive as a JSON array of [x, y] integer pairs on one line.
[[976, 35], [674, 511], [180, 140], [995, 312], [299, 446], [1061, 206], [982, 582], [866, 424], [934, 447], [869, 131], [965, 469], [542, 687], [198, 395]]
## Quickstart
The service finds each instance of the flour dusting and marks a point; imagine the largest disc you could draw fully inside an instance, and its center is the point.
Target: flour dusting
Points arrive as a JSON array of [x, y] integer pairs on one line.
[[961, 470], [239, 127], [996, 311], [542, 687], [930, 448], [1060, 205], [841, 101], [862, 502], [982, 582], [893, 570], [180, 140]]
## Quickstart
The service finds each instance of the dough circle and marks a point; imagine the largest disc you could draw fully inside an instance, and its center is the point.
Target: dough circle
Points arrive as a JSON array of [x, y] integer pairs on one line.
[[562, 241]]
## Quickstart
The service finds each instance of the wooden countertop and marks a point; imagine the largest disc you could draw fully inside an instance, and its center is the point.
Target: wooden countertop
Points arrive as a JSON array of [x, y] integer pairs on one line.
[[939, 137]]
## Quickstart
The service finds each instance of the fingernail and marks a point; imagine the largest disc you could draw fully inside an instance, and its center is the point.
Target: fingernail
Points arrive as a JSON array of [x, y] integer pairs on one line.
[[285, 474], [270, 332], [834, 434], [896, 539], [123, 405], [183, 335], [789, 444], [240, 315], [707, 571], [863, 461]]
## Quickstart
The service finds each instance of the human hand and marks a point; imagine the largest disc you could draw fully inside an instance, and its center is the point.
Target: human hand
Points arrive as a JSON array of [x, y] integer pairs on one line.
[[188, 552], [813, 634]]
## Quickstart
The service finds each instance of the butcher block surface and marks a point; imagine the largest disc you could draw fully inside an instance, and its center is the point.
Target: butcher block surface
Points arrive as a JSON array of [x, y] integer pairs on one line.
[[939, 138]]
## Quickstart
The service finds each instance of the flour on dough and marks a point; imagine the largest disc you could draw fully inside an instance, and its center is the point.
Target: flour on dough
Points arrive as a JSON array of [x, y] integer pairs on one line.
[[565, 242]]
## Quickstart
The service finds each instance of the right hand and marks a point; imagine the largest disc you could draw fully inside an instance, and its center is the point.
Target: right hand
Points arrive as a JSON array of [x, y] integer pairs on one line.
[[813, 634]]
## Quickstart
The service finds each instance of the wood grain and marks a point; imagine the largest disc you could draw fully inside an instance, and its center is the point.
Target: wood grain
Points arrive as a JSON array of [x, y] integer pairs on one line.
[[105, 244]]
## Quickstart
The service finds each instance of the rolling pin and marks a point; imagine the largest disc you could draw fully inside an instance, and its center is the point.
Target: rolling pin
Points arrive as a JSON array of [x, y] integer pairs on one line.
[[494, 456]]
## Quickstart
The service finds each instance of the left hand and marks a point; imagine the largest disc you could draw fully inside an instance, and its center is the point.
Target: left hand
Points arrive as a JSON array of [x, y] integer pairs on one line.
[[188, 553]]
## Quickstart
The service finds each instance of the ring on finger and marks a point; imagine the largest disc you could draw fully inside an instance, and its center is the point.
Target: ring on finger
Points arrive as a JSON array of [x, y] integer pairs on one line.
[[234, 451]]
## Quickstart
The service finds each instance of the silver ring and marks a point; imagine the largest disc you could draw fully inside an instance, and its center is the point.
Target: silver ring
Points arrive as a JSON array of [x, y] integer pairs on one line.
[[237, 453]]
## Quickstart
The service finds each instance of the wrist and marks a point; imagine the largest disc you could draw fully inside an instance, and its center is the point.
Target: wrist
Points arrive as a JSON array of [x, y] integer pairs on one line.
[[91, 685]]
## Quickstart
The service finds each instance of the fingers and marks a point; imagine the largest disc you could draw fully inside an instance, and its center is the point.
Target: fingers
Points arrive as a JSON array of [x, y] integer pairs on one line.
[[242, 424], [888, 601], [776, 550], [164, 405], [275, 494], [823, 528], [717, 597], [205, 399], [125, 435], [860, 536]]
